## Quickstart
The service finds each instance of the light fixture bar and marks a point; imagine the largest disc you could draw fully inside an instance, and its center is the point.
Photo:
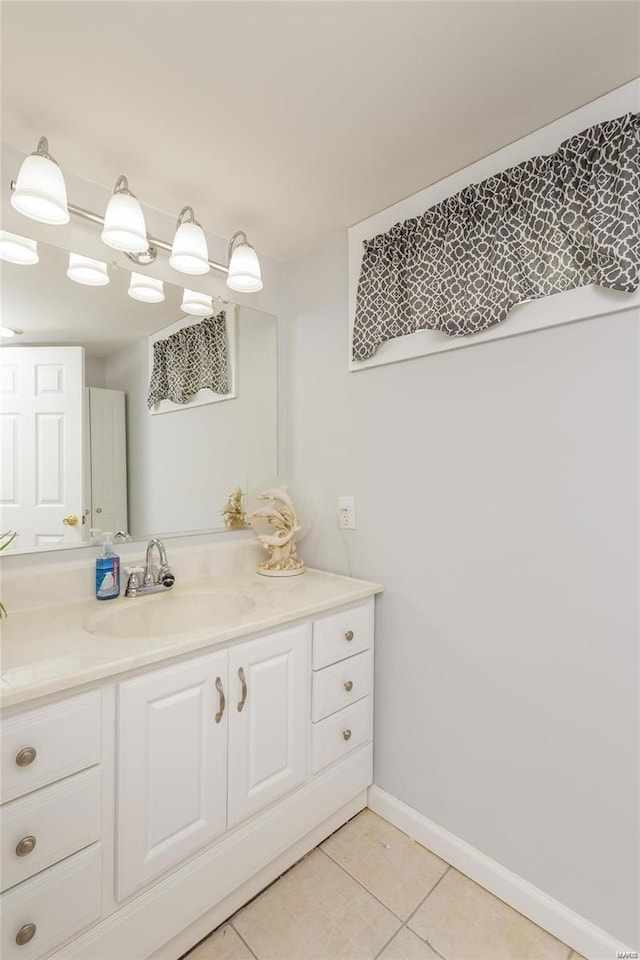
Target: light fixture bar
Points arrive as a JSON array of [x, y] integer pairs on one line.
[[153, 241]]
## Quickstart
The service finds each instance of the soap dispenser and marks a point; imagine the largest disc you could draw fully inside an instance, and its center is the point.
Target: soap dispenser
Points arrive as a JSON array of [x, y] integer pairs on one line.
[[107, 571]]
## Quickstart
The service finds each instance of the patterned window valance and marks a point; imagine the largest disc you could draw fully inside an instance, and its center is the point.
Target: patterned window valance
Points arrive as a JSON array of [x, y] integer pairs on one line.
[[190, 360], [550, 224]]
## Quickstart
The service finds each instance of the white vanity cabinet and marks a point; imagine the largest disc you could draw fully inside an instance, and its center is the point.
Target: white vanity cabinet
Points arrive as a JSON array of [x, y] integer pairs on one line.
[[172, 766], [164, 797], [205, 743], [268, 719], [50, 823]]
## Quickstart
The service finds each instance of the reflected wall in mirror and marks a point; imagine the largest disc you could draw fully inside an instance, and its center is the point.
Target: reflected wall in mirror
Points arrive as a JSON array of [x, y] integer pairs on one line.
[[78, 441]]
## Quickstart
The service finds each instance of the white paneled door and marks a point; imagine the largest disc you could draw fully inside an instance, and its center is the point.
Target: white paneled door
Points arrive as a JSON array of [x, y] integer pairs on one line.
[[269, 719], [41, 396], [108, 455], [172, 766]]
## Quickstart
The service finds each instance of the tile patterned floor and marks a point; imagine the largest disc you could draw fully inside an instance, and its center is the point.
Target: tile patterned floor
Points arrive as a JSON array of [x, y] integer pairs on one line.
[[370, 893]]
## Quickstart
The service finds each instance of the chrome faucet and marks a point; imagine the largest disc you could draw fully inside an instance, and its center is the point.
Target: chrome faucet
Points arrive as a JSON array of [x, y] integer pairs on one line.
[[153, 581]]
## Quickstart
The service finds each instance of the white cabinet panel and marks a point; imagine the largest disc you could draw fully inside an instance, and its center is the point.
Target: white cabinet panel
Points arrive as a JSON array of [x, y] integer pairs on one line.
[[172, 766], [46, 826], [339, 734], [342, 683], [48, 743], [342, 634], [51, 907], [269, 719]]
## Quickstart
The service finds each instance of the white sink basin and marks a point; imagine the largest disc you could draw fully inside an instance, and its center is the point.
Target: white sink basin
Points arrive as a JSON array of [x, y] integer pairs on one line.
[[171, 614]]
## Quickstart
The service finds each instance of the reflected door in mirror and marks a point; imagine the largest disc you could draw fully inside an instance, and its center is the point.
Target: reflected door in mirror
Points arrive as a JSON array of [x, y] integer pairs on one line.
[[41, 486]]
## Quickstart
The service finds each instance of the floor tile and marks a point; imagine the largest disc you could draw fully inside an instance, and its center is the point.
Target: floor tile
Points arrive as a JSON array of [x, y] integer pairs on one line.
[[407, 946], [317, 912], [224, 944], [397, 870], [462, 921]]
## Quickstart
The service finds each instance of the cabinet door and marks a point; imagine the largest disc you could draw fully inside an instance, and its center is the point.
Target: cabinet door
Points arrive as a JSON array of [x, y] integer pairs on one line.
[[268, 719], [172, 766]]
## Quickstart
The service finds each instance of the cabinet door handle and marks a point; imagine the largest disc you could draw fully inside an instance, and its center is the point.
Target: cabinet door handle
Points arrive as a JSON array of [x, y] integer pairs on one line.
[[220, 690], [349, 686], [26, 756], [349, 636], [25, 934], [243, 681], [25, 846], [346, 734]]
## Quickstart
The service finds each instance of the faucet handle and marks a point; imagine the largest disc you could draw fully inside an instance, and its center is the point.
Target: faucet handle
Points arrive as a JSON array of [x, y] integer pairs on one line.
[[134, 580]]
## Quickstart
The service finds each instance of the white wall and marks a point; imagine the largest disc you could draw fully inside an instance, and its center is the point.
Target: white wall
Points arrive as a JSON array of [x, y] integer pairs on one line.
[[183, 465], [496, 499]]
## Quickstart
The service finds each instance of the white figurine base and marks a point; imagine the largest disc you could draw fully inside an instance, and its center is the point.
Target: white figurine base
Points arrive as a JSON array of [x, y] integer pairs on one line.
[[279, 573]]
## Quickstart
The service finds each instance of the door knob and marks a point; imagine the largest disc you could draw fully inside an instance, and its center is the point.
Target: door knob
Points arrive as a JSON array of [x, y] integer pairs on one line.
[[26, 756], [25, 846], [71, 520], [25, 934]]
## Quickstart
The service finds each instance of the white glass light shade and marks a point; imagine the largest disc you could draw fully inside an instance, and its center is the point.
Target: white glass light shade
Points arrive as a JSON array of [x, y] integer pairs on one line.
[[147, 289], [189, 252], [17, 249], [124, 226], [93, 273], [244, 270], [197, 304], [40, 192]]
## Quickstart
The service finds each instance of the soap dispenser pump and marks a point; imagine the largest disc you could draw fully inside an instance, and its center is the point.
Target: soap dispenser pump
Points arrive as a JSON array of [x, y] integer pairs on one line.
[[107, 570]]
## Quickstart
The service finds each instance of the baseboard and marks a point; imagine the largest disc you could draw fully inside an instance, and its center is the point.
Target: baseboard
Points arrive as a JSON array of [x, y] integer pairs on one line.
[[584, 937]]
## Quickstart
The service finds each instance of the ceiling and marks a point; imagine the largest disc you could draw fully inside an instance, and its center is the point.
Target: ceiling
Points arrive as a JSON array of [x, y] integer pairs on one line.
[[294, 120]]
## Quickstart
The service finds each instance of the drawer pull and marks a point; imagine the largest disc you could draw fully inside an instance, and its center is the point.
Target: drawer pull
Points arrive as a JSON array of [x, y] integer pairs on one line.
[[349, 635], [243, 681], [25, 846], [346, 734], [25, 934], [26, 756], [220, 690], [349, 686]]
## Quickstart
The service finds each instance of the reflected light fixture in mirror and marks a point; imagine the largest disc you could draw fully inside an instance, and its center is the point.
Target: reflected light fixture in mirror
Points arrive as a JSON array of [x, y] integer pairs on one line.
[[197, 304], [189, 252], [9, 332], [17, 249], [92, 273], [40, 192], [124, 226], [244, 268], [146, 289]]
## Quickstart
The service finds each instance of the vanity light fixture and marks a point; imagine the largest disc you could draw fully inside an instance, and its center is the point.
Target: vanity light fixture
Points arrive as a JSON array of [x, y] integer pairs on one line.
[[92, 273], [189, 252], [244, 267], [146, 289], [40, 193], [124, 227], [17, 249], [10, 332], [197, 304]]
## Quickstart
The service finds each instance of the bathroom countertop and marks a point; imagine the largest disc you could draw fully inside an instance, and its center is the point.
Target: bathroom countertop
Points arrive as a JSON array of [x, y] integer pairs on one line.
[[59, 647]]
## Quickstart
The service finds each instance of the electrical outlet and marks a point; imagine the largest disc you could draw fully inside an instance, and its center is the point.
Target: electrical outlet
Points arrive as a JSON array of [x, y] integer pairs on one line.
[[347, 513]]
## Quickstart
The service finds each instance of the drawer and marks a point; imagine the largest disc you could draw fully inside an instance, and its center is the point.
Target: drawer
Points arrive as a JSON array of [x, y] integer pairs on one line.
[[65, 737], [62, 819], [339, 685], [59, 902], [342, 634], [328, 740]]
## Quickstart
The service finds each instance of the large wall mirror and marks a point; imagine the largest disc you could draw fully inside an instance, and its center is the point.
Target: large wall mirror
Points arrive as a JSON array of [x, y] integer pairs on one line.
[[81, 449]]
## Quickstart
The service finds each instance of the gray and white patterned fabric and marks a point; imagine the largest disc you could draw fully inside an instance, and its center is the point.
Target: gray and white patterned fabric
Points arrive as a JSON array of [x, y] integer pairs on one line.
[[190, 360], [550, 224]]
